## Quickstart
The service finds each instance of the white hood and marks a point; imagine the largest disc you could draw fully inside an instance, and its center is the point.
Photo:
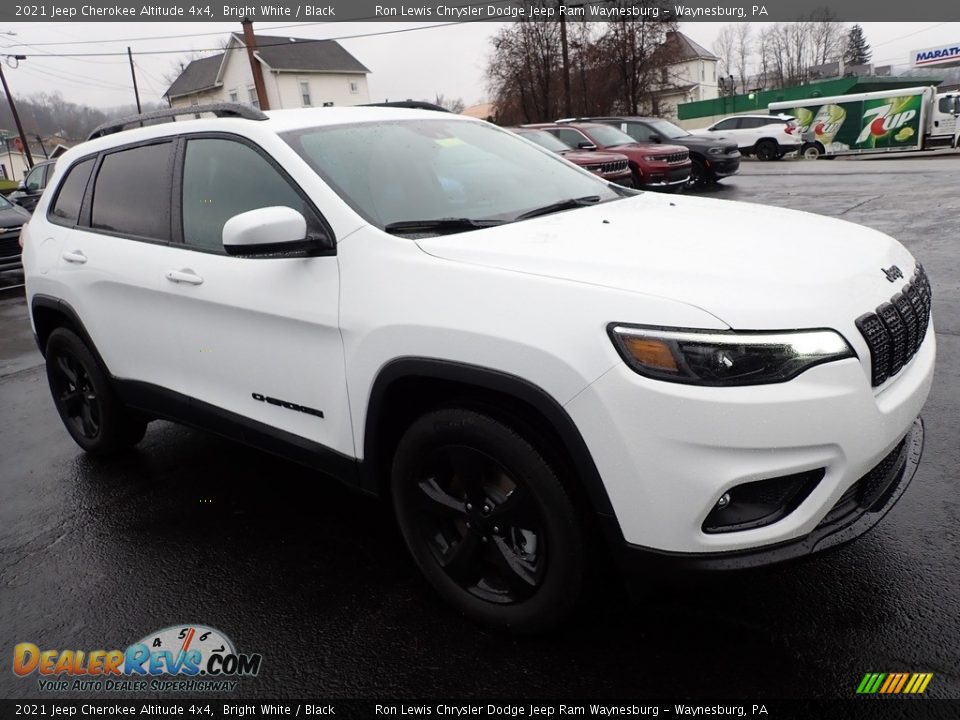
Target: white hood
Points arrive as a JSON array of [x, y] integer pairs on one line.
[[752, 266]]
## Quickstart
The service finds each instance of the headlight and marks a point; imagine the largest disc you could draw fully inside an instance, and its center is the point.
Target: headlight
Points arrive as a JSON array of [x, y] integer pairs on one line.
[[715, 150], [716, 358]]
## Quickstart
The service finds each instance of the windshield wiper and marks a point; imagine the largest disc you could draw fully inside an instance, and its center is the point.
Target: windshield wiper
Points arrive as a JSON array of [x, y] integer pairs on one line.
[[558, 206], [451, 225]]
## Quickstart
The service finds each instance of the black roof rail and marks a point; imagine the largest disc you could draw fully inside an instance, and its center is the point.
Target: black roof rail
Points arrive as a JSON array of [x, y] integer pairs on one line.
[[221, 110], [409, 104]]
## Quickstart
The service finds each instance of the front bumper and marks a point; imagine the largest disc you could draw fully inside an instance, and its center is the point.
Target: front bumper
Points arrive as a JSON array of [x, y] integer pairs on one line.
[[724, 168], [668, 452], [667, 176], [848, 520]]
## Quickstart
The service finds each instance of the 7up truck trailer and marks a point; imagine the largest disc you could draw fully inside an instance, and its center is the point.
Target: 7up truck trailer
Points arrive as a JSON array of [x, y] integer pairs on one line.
[[876, 122]]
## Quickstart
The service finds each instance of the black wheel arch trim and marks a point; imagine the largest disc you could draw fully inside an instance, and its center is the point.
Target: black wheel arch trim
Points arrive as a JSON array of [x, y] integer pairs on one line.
[[64, 308], [498, 381]]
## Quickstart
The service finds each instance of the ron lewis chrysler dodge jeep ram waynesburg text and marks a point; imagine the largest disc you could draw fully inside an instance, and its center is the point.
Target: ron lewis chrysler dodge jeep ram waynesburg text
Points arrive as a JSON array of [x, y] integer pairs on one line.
[[517, 355]]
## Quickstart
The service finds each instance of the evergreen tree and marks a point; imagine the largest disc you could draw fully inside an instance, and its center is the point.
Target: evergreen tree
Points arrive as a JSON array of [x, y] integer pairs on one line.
[[858, 52]]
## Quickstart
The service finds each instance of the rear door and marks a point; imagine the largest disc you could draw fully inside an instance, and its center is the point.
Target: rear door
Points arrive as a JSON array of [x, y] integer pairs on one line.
[[113, 256]]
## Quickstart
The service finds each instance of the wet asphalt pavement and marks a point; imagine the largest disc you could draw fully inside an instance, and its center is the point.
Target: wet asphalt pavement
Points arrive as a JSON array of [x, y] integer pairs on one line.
[[192, 528]]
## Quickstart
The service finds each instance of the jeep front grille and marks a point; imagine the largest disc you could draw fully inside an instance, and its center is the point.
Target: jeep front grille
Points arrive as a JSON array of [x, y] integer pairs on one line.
[[677, 157], [895, 331]]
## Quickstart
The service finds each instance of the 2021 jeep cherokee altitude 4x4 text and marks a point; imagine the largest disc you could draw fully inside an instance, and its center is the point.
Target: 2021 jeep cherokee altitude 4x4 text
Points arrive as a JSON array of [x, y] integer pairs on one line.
[[517, 355]]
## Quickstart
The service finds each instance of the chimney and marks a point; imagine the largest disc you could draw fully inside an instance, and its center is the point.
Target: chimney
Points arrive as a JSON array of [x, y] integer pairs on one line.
[[250, 40]]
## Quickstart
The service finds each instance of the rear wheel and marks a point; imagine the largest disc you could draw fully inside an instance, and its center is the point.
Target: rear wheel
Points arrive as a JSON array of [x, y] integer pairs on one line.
[[767, 150], [93, 415], [487, 520], [811, 151]]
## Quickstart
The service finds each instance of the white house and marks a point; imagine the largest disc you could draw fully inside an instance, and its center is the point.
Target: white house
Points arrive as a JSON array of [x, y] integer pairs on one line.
[[689, 73], [297, 72]]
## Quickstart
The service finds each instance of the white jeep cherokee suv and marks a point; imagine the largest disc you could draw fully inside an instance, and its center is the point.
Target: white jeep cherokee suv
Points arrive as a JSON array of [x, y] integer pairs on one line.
[[518, 356]]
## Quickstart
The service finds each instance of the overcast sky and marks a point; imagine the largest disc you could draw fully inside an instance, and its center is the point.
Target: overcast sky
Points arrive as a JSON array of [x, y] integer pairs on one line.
[[420, 64]]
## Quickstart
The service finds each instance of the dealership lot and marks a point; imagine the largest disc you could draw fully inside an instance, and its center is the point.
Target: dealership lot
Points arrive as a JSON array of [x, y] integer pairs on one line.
[[191, 528]]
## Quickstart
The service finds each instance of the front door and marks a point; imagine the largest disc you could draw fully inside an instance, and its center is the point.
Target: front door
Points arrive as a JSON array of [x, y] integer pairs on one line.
[[259, 336]]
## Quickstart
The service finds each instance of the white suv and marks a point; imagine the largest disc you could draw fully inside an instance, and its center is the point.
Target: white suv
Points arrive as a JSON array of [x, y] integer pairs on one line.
[[768, 137], [517, 355]]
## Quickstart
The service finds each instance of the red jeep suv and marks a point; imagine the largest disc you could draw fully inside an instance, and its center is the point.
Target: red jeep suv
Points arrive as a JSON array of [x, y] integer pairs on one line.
[[655, 166]]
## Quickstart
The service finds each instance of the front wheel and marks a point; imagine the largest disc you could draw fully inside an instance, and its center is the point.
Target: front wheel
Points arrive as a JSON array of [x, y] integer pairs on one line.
[[699, 175], [487, 521], [88, 406]]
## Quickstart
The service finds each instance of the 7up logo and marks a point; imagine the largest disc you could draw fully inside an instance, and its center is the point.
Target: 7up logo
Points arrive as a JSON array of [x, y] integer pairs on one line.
[[893, 117]]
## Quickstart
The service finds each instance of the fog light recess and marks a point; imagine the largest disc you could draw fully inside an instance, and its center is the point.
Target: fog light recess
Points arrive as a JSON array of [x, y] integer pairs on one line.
[[762, 502]]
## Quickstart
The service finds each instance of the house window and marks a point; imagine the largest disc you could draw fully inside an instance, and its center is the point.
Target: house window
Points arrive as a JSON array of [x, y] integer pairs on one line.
[[703, 71], [305, 93], [252, 97], [354, 87], [234, 96]]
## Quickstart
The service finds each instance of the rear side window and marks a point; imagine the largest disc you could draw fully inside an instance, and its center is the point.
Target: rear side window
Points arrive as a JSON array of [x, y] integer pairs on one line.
[[223, 178], [131, 195], [66, 208]]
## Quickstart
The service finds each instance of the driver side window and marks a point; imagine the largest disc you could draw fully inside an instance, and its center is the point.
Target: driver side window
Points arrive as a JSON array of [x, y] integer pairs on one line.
[[223, 178], [34, 181]]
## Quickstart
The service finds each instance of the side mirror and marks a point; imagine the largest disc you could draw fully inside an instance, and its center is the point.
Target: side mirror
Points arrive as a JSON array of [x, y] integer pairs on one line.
[[586, 146], [273, 230]]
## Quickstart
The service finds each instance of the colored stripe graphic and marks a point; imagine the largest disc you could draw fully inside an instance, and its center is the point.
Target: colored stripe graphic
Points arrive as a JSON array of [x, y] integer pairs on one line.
[[894, 683]]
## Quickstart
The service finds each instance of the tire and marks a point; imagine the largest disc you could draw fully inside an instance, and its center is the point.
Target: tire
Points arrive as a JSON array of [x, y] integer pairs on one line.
[[767, 150], [488, 522], [811, 151], [699, 175], [88, 405]]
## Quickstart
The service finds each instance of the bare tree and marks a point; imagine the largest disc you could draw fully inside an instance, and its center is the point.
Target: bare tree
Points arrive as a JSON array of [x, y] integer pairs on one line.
[[453, 105], [743, 51], [724, 47]]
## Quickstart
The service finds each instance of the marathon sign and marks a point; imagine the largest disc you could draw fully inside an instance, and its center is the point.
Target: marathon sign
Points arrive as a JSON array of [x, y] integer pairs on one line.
[[941, 56]]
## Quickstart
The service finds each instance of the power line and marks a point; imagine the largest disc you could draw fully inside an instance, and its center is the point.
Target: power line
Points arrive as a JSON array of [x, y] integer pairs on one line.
[[259, 45]]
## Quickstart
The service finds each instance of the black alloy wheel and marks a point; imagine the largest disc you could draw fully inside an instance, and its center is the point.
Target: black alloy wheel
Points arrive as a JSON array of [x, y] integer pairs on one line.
[[479, 525], [75, 396], [88, 405], [488, 521]]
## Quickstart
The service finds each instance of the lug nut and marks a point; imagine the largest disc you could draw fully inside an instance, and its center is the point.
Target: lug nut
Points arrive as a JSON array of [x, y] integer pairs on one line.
[[484, 538], [496, 529], [469, 506], [486, 508]]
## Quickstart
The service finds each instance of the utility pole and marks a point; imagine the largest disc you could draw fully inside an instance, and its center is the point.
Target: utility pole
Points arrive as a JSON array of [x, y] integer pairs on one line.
[[136, 92], [567, 100], [13, 111], [250, 40]]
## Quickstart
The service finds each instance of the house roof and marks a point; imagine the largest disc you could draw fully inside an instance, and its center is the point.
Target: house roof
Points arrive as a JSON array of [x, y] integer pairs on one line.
[[683, 48], [199, 75], [278, 52], [287, 53]]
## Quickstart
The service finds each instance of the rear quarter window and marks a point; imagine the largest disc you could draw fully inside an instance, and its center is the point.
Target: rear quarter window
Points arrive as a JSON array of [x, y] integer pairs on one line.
[[65, 209]]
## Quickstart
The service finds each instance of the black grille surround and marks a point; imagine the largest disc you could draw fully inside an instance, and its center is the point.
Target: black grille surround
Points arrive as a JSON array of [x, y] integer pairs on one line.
[[615, 166], [10, 244], [895, 331]]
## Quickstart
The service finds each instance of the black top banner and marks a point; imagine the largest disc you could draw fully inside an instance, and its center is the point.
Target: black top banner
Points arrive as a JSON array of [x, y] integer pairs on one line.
[[475, 11]]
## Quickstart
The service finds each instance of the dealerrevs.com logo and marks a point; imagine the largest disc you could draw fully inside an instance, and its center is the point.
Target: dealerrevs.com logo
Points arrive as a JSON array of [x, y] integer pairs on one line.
[[180, 658]]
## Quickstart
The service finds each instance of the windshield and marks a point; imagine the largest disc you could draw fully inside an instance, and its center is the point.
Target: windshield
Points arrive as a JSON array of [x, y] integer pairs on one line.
[[4, 203], [407, 171], [667, 129], [544, 140], [609, 136]]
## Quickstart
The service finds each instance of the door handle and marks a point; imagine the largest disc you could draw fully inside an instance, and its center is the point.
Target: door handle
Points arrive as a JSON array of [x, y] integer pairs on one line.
[[186, 275], [75, 257]]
